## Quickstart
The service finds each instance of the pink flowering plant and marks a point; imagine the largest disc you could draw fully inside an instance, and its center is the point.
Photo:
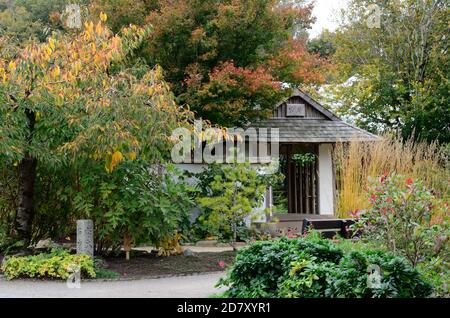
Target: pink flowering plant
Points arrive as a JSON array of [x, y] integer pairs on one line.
[[408, 219]]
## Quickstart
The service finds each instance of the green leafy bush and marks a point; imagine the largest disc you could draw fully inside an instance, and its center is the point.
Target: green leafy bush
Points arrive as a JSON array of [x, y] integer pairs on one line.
[[54, 216], [8, 204], [133, 203], [104, 273], [407, 218], [206, 187], [3, 237], [200, 228], [235, 193], [437, 272], [398, 277], [412, 221], [313, 267], [56, 264], [313, 245], [260, 268], [307, 278]]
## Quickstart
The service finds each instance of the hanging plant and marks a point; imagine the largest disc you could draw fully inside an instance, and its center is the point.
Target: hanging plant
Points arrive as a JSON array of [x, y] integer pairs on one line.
[[304, 158]]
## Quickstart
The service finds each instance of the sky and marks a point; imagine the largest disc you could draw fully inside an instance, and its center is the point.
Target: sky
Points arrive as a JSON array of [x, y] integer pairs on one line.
[[325, 11]]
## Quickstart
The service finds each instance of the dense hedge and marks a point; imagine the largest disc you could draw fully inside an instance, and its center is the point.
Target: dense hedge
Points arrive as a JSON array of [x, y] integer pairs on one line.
[[312, 267]]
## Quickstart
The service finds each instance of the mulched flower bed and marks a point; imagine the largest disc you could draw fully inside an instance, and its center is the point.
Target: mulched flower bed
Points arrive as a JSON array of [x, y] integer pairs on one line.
[[149, 265], [146, 265]]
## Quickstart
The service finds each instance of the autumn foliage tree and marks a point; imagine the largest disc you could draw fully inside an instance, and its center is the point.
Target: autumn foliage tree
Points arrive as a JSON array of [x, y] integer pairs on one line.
[[81, 96], [233, 94], [227, 59]]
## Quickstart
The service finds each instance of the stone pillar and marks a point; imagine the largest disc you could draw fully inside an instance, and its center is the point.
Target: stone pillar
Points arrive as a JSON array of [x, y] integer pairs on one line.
[[85, 237]]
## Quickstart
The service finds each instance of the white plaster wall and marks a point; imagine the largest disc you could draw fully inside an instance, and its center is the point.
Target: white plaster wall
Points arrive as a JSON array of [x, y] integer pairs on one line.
[[326, 193]]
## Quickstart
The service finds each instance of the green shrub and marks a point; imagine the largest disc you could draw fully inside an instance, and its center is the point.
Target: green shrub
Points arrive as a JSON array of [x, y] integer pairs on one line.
[[54, 217], [103, 273], [313, 245], [208, 189], [398, 277], [437, 272], [261, 267], [134, 199], [412, 221], [56, 264], [4, 237], [200, 228], [236, 192], [407, 218], [258, 269], [313, 267], [308, 278], [133, 202]]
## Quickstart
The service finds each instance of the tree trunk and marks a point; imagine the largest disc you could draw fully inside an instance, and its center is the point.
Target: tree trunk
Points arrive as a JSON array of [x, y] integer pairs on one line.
[[27, 178], [25, 212], [234, 239]]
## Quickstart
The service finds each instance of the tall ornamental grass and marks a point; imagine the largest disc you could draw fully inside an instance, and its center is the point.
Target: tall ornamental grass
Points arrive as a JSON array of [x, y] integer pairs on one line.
[[357, 161]]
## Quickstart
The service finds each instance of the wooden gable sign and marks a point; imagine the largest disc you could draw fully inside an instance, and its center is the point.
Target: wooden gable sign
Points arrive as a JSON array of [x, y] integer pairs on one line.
[[295, 110]]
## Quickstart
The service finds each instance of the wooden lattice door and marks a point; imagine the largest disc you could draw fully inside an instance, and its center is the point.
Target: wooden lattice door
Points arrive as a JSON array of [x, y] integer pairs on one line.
[[302, 187]]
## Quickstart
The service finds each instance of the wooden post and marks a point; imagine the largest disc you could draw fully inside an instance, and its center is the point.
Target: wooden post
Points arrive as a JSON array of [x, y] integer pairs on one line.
[[127, 245], [289, 178]]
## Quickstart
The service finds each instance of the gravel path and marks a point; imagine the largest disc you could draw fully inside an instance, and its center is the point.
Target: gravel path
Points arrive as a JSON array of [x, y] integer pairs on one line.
[[200, 286]]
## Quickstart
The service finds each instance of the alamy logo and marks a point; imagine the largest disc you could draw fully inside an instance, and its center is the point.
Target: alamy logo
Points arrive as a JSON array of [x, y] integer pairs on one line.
[[74, 279], [230, 145], [72, 15], [374, 16], [374, 277]]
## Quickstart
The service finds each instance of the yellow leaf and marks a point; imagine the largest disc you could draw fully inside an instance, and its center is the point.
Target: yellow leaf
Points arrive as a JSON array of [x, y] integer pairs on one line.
[[131, 155], [59, 100], [51, 43], [98, 29], [12, 66], [77, 67], [158, 72], [56, 71], [115, 159], [103, 17], [117, 156], [89, 26]]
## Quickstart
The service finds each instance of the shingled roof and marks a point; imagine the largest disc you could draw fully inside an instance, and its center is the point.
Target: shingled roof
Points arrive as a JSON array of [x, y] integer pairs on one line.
[[316, 124]]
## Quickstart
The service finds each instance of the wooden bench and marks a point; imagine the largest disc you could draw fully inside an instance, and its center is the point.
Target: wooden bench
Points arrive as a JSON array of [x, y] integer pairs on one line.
[[293, 222], [329, 228]]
